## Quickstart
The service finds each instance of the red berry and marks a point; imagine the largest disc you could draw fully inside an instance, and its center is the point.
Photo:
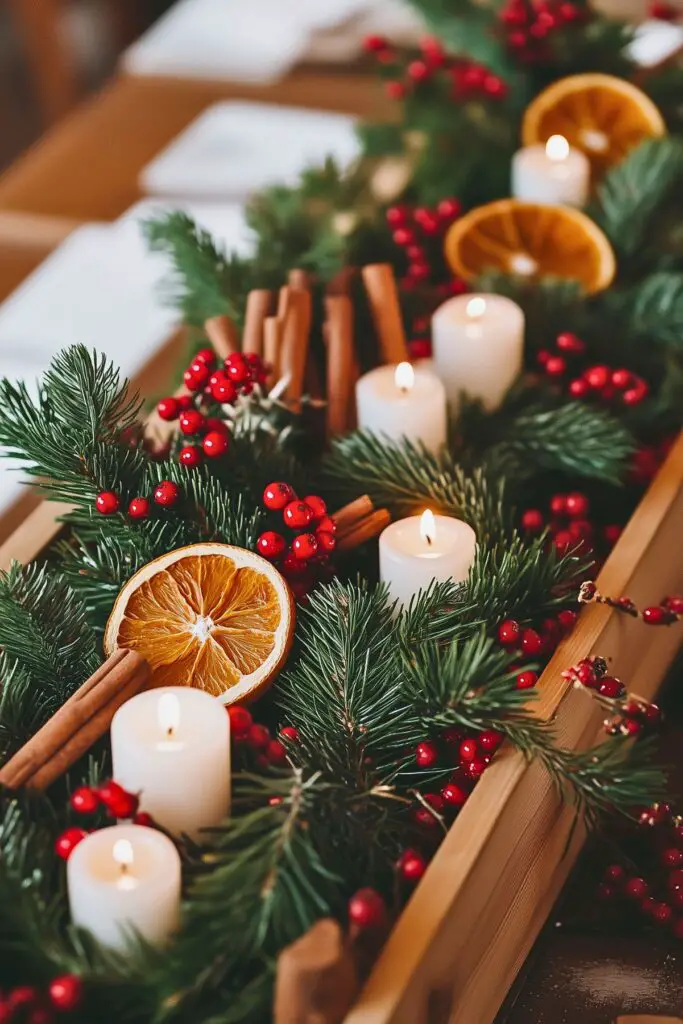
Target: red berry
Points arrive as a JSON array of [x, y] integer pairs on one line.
[[237, 368], [327, 542], [418, 71], [240, 721], [68, 841], [468, 750], [84, 800], [403, 236], [662, 913], [271, 545], [117, 800], [107, 503], [475, 769], [675, 880], [144, 819], [305, 546], [276, 752], [674, 604], [292, 566], [577, 505], [426, 754], [395, 90], [166, 493], [277, 495], [190, 456], [66, 993], [567, 619], [397, 216], [656, 616], [139, 508], [611, 687], [570, 12], [531, 642], [191, 422], [290, 732], [509, 633], [367, 909], [495, 87], [558, 504], [297, 515], [168, 409], [597, 377], [206, 356], [615, 874], [449, 209], [416, 254], [563, 541], [452, 736], [605, 892], [412, 865], [454, 795], [222, 388], [419, 271], [672, 857], [490, 740], [375, 44], [427, 219], [568, 342], [532, 520], [22, 998], [621, 379], [612, 533], [518, 40], [637, 888], [578, 388], [526, 680], [317, 506], [215, 443], [555, 366], [258, 737]]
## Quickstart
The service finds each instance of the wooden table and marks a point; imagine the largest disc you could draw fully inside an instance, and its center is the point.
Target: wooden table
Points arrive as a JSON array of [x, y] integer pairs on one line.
[[87, 167]]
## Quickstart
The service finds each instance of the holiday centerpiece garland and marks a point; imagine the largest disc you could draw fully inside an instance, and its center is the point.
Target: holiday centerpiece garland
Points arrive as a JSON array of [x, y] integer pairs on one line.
[[382, 721]]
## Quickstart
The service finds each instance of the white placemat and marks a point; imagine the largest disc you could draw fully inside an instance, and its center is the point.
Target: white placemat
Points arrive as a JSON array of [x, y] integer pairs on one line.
[[256, 41], [236, 148]]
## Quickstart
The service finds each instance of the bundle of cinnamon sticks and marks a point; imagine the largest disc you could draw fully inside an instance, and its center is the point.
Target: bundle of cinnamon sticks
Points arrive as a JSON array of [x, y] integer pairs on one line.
[[359, 522], [78, 724]]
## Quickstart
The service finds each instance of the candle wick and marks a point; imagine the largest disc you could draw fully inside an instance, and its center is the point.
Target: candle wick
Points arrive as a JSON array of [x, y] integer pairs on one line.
[[169, 732], [428, 539]]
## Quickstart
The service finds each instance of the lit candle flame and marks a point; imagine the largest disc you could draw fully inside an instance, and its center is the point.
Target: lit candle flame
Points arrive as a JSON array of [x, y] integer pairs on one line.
[[168, 713], [123, 854], [428, 526], [404, 377], [557, 148], [476, 307]]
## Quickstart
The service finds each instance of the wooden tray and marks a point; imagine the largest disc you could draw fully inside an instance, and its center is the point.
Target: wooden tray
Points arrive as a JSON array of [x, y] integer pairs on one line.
[[467, 929]]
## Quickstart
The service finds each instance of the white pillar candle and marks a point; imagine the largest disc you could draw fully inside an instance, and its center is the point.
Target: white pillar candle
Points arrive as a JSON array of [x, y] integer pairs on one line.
[[554, 173], [400, 401], [478, 346], [122, 880], [172, 746], [415, 551]]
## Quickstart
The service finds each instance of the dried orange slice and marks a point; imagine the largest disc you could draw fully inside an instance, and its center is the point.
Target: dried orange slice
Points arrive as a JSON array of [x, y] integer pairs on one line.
[[531, 240], [602, 115], [212, 616]]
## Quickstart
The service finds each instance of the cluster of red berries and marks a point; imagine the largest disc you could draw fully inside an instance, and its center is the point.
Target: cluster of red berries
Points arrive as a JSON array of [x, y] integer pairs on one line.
[[111, 798], [659, 896], [166, 495], [237, 376], [309, 537], [629, 715], [528, 26], [468, 79], [668, 611], [33, 1006], [569, 526], [594, 382], [249, 735], [535, 643], [469, 754], [414, 229]]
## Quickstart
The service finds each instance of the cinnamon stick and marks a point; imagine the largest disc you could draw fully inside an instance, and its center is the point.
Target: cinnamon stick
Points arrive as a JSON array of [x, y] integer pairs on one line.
[[340, 357], [222, 333], [348, 516], [317, 980], [272, 345], [295, 334], [283, 301], [380, 285], [258, 307], [81, 720], [341, 282], [369, 527], [298, 278]]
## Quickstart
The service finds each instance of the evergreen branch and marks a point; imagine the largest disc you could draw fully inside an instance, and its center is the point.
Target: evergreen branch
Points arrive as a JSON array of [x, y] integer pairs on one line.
[[652, 310]]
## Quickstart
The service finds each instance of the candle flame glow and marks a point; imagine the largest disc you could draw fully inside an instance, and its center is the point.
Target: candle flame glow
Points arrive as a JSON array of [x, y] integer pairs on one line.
[[168, 713], [428, 526], [476, 307], [123, 853], [404, 377], [557, 148]]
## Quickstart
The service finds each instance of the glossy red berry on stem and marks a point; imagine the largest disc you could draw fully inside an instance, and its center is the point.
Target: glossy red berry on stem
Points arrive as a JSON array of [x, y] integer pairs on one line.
[[276, 752], [531, 642], [237, 368], [118, 801], [526, 680], [305, 546], [68, 841], [258, 737], [672, 857], [84, 800], [215, 444], [426, 754], [509, 633], [656, 616], [412, 865], [297, 515], [367, 909], [168, 409], [190, 456], [206, 356], [277, 495], [316, 505], [327, 542], [240, 721], [468, 750], [636, 888], [66, 993], [271, 545], [139, 508], [107, 503], [144, 819], [454, 795], [555, 366], [191, 422], [166, 494], [475, 769], [532, 520], [449, 209], [577, 505], [597, 377], [223, 390], [611, 687], [570, 343], [290, 733], [490, 740]]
